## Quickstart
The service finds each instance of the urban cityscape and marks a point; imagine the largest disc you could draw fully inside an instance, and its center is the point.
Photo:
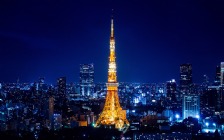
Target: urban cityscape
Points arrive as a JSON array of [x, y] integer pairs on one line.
[[176, 109]]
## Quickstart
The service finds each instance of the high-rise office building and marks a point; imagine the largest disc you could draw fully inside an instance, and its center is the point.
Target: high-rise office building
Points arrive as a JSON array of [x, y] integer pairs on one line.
[[60, 97], [221, 90], [86, 79], [219, 86], [210, 99], [51, 112], [217, 76], [222, 74], [191, 106], [171, 89], [185, 77], [61, 83]]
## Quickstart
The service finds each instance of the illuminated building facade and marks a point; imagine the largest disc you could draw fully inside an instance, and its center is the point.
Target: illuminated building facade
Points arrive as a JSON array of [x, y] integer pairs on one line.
[[185, 77], [112, 114], [61, 82], [211, 98], [191, 106], [86, 79], [171, 87], [61, 98], [217, 76], [222, 74], [57, 120]]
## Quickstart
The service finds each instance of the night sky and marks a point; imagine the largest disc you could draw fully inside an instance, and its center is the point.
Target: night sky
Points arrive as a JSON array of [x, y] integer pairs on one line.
[[51, 38]]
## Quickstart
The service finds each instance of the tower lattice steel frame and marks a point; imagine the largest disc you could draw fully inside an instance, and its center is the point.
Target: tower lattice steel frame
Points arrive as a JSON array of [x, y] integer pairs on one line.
[[112, 113]]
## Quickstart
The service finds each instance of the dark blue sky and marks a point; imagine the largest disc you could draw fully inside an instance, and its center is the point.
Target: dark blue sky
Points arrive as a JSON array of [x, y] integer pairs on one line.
[[50, 38]]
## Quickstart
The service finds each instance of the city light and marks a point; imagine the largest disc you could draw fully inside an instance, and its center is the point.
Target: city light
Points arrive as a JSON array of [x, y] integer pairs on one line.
[[153, 101], [154, 95], [177, 116], [197, 116]]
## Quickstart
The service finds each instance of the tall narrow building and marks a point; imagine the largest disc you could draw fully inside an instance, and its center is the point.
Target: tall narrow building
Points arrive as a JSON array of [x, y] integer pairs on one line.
[[171, 88], [61, 83], [60, 97], [217, 76], [86, 79], [51, 112], [185, 78], [222, 74], [191, 106], [112, 114], [221, 89]]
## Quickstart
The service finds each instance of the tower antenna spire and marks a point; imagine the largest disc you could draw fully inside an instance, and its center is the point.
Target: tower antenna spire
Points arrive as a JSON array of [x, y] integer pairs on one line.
[[112, 24], [112, 13]]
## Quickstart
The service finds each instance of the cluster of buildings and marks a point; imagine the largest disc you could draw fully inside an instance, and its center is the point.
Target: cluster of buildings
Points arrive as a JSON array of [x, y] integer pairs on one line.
[[32, 106]]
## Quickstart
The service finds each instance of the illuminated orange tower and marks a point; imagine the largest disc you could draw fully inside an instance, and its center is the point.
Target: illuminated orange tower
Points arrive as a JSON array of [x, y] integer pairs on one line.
[[112, 114]]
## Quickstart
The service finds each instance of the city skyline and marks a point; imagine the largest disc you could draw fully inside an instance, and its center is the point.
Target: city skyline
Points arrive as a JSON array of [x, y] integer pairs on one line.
[[153, 39]]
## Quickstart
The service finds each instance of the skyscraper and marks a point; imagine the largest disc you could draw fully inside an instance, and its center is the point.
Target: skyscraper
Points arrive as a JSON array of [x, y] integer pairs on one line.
[[210, 98], [112, 114], [51, 112], [219, 86], [61, 83], [185, 77], [191, 106], [217, 81], [86, 79], [171, 90], [60, 97], [222, 74]]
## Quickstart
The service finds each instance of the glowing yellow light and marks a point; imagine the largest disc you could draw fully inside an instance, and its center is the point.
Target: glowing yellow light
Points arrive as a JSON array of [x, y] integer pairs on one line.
[[112, 112]]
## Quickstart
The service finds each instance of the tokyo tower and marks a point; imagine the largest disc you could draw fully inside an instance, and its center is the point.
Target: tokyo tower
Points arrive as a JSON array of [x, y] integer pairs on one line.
[[112, 114]]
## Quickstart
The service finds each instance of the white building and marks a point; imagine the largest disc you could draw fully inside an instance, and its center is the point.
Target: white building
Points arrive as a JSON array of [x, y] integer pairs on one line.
[[191, 106]]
